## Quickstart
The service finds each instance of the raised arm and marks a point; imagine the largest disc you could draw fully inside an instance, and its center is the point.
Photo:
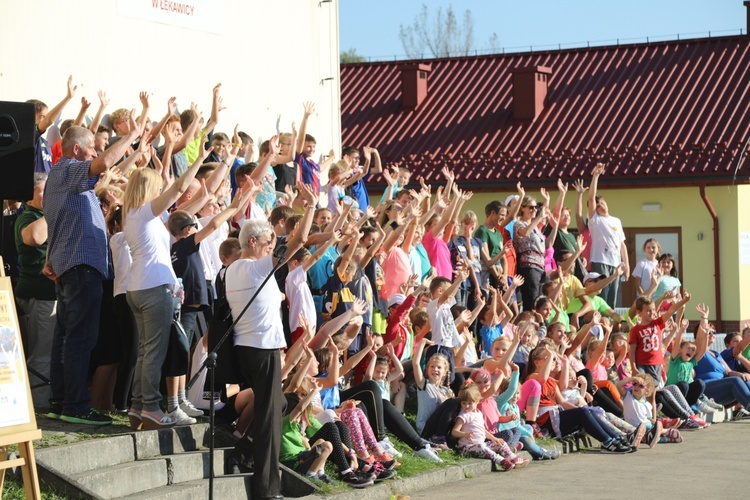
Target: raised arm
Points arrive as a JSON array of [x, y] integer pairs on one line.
[[171, 109], [54, 113], [598, 170], [562, 188], [515, 206], [309, 108], [85, 104], [673, 309], [112, 154], [216, 107], [580, 190], [416, 363], [170, 195], [103, 103]]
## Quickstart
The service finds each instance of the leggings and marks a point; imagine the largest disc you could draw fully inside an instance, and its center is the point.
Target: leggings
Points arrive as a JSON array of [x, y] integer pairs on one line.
[[692, 391], [440, 423], [497, 452], [337, 434], [582, 418], [382, 414], [604, 397], [673, 402], [360, 431]]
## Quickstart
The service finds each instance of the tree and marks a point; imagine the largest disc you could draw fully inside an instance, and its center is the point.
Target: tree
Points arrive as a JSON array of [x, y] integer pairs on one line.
[[350, 56], [440, 36]]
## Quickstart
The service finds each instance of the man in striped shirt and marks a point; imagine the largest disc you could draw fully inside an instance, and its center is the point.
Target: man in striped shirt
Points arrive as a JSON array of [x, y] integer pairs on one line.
[[78, 261]]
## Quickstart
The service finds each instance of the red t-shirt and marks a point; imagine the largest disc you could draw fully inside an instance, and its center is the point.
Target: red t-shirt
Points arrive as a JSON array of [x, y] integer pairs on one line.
[[647, 340]]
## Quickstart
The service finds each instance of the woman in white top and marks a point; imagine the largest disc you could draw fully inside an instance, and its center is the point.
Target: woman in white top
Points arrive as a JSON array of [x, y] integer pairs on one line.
[[151, 287]]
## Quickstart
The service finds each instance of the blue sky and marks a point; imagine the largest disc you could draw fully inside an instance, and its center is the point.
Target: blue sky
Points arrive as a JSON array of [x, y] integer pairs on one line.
[[372, 27]]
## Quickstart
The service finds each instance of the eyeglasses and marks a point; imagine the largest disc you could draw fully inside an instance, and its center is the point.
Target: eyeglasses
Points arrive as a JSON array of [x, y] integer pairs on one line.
[[532, 207], [640, 386], [192, 224]]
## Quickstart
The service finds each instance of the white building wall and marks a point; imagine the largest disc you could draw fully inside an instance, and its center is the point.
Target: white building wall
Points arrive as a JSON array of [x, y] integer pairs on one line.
[[269, 55]]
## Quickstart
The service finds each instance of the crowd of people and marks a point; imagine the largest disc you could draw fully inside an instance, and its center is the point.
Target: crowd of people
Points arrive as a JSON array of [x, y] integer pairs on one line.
[[141, 234]]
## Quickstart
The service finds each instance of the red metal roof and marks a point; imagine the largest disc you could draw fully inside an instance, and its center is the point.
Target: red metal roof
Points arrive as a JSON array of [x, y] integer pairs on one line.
[[676, 112]]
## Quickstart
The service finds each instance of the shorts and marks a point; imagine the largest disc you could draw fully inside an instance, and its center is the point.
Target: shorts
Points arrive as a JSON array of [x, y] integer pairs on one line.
[[653, 370]]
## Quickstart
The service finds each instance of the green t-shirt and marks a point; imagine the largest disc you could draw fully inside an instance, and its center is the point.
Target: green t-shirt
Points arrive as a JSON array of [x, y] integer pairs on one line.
[[494, 239], [291, 437], [32, 284], [745, 353], [680, 371], [598, 303]]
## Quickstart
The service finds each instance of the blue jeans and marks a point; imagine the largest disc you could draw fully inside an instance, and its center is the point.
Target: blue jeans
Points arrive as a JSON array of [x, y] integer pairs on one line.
[[79, 301], [728, 390], [152, 309]]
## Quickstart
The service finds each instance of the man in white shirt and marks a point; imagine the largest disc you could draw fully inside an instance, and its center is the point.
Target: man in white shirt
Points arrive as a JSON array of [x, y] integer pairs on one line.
[[608, 248]]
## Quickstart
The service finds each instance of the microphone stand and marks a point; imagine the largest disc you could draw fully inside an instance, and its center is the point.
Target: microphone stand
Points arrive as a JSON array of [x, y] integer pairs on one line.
[[210, 365]]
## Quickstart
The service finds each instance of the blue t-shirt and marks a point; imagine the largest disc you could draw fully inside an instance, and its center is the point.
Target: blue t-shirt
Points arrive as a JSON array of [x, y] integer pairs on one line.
[[42, 154], [488, 335], [359, 193], [710, 367], [733, 363]]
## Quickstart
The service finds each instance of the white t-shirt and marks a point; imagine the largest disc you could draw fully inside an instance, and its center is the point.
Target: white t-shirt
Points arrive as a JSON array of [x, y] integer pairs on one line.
[[643, 270], [606, 238], [300, 299], [148, 239], [260, 326], [636, 412], [444, 330], [121, 261], [209, 250]]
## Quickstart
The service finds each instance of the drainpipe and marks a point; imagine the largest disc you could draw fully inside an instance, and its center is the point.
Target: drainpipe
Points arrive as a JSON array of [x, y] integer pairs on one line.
[[717, 257]]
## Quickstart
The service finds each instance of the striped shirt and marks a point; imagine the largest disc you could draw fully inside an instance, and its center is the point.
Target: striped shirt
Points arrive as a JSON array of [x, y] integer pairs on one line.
[[77, 232]]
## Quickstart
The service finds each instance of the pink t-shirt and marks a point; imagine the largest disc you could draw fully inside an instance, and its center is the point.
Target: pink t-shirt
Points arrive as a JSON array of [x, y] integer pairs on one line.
[[473, 423], [598, 372], [396, 269], [439, 254]]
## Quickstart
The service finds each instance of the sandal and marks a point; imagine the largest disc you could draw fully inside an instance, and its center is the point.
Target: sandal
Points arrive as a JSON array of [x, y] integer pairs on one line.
[[135, 419], [151, 423]]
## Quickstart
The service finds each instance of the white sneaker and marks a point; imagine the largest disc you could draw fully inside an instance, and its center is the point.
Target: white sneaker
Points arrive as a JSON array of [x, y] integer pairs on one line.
[[388, 447], [191, 410], [703, 407], [713, 404], [182, 418], [428, 454]]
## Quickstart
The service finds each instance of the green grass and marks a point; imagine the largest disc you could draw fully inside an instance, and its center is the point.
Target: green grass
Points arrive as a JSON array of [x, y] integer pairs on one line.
[[13, 490]]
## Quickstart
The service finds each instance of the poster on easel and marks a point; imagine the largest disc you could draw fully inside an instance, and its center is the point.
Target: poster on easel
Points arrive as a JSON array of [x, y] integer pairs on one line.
[[14, 404]]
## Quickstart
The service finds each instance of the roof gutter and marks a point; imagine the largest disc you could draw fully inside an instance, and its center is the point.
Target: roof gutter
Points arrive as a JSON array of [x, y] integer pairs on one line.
[[717, 257]]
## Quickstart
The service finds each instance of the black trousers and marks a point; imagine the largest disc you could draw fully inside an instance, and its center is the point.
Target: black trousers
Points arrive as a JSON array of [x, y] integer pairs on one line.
[[261, 371], [692, 391]]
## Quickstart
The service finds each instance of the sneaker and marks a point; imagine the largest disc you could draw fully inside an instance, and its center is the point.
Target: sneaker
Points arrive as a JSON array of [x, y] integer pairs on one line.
[[325, 478], [634, 439], [181, 418], [389, 448], [548, 455], [388, 464], [190, 410], [741, 414], [92, 417], [428, 454], [55, 411], [539, 433], [703, 407], [505, 464], [670, 423], [519, 446], [655, 433], [713, 404], [702, 423], [381, 473], [614, 447], [520, 462], [690, 425], [355, 480]]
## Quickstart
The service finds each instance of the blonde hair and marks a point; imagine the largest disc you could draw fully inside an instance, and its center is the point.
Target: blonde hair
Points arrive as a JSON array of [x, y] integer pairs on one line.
[[469, 217], [143, 186], [648, 381], [469, 392], [439, 358]]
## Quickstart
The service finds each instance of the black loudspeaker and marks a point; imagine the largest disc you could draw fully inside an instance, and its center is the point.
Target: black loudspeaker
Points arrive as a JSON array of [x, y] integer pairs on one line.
[[17, 123]]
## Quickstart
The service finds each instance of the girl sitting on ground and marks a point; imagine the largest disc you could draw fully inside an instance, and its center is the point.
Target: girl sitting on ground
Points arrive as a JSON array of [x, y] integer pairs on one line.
[[640, 411], [474, 440]]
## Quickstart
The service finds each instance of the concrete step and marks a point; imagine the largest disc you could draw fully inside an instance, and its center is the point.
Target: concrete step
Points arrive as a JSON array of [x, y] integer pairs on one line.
[[85, 456], [226, 487], [124, 479], [170, 441]]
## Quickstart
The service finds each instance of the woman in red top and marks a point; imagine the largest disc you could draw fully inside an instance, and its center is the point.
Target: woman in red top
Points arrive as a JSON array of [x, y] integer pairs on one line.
[[570, 417]]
